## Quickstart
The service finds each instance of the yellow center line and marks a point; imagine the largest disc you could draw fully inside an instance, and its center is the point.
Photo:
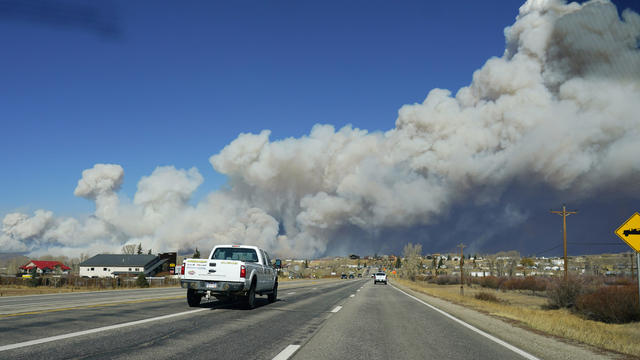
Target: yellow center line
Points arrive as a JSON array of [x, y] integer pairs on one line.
[[92, 306]]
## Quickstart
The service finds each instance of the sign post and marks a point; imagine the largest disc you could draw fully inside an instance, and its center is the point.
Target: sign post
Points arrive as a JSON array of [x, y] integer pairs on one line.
[[637, 267], [629, 232]]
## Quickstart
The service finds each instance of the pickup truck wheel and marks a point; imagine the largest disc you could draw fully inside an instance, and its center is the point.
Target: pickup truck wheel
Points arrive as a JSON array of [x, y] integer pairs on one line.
[[251, 296], [193, 298], [274, 294]]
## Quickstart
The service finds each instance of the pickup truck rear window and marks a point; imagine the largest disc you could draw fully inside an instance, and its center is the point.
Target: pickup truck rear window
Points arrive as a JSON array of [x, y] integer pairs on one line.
[[239, 254]]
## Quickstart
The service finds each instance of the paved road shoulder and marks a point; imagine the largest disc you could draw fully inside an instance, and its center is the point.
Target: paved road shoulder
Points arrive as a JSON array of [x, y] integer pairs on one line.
[[545, 347]]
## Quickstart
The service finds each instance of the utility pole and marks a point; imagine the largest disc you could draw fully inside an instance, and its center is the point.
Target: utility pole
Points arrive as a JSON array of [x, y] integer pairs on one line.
[[564, 214], [461, 246]]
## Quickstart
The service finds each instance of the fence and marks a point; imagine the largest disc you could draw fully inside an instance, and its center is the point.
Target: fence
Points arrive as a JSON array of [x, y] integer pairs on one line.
[[87, 283]]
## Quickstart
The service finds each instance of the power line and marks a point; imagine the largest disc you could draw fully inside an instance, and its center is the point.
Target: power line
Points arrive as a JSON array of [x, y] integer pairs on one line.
[[545, 251]]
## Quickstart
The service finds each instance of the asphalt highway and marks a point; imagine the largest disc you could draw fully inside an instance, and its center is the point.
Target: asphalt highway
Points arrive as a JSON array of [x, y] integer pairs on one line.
[[337, 319]]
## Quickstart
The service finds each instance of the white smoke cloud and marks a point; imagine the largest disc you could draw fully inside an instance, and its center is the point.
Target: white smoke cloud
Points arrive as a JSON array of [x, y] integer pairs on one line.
[[559, 108]]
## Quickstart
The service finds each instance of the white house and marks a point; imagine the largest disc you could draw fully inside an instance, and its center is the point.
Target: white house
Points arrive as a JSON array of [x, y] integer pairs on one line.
[[112, 265]]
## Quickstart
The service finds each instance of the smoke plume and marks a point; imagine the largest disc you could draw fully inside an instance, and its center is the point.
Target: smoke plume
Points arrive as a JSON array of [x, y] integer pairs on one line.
[[558, 111]]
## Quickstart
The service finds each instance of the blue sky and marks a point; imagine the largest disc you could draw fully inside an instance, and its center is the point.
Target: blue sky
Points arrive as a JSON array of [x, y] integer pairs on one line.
[[176, 83]]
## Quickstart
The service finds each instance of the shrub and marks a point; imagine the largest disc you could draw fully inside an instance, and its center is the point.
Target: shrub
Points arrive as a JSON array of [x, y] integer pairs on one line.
[[490, 282], [447, 280], [141, 281], [563, 294], [619, 281], [486, 296], [528, 283], [610, 304], [34, 281]]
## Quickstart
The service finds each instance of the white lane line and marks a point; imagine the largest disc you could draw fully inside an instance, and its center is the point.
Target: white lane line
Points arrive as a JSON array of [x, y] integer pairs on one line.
[[358, 290], [336, 309], [287, 352], [92, 331], [471, 327], [291, 293], [352, 295]]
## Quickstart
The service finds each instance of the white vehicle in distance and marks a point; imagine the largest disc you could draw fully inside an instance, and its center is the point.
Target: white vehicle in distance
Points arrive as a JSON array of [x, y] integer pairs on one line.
[[231, 271], [380, 277]]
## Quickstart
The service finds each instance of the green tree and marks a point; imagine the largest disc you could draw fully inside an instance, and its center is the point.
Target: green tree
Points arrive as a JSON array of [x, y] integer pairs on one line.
[[35, 278], [398, 263], [527, 261], [139, 251], [141, 281], [196, 254]]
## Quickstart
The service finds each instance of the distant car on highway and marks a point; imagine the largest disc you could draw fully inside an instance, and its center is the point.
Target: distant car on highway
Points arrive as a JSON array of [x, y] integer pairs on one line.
[[343, 276], [359, 275], [380, 277], [351, 276]]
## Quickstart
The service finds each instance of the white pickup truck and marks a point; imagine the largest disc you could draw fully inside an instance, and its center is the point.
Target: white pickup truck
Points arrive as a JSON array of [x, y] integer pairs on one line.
[[231, 271]]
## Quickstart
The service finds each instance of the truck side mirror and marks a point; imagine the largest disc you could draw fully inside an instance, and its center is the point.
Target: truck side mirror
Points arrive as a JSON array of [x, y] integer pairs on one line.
[[278, 264]]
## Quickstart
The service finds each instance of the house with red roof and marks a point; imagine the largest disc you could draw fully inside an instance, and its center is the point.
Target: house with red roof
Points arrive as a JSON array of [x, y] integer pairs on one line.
[[45, 267]]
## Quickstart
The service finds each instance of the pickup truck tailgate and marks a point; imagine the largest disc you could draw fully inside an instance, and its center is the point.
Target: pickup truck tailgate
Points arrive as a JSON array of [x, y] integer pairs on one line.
[[212, 270]]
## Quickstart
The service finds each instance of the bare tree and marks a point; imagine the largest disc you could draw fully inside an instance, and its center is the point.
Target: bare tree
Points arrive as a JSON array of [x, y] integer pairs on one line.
[[412, 258], [129, 249]]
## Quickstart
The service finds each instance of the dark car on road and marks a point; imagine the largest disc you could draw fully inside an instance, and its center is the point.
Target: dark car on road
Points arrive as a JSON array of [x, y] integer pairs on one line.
[[343, 276]]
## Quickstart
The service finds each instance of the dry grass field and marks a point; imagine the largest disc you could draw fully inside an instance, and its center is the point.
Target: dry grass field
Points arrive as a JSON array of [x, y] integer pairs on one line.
[[527, 311]]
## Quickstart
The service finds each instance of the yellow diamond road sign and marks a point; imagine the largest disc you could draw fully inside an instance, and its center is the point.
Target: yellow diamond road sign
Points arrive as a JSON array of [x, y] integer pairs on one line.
[[629, 232]]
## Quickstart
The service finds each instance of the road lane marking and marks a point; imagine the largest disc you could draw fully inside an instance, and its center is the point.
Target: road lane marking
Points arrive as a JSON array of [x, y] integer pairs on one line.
[[352, 295], [91, 306], [336, 309], [287, 352], [93, 331], [473, 328], [358, 290], [291, 293]]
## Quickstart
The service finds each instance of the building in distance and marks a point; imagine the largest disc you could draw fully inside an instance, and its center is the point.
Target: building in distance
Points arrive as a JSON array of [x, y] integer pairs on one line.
[[115, 265], [45, 267]]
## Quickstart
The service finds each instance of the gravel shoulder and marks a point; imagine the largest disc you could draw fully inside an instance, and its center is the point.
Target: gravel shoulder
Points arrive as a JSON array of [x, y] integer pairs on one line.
[[542, 346]]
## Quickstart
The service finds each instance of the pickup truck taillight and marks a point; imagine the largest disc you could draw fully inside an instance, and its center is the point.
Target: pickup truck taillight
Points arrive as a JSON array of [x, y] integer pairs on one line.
[[182, 269], [243, 271]]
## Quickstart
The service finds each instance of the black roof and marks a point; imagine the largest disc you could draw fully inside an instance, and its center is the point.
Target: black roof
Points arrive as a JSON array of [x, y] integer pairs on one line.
[[120, 260]]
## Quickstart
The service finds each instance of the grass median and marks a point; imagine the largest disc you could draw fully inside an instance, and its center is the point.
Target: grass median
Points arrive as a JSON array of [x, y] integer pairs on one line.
[[528, 311]]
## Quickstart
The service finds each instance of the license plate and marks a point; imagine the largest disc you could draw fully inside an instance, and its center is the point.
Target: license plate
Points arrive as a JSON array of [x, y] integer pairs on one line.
[[212, 285]]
